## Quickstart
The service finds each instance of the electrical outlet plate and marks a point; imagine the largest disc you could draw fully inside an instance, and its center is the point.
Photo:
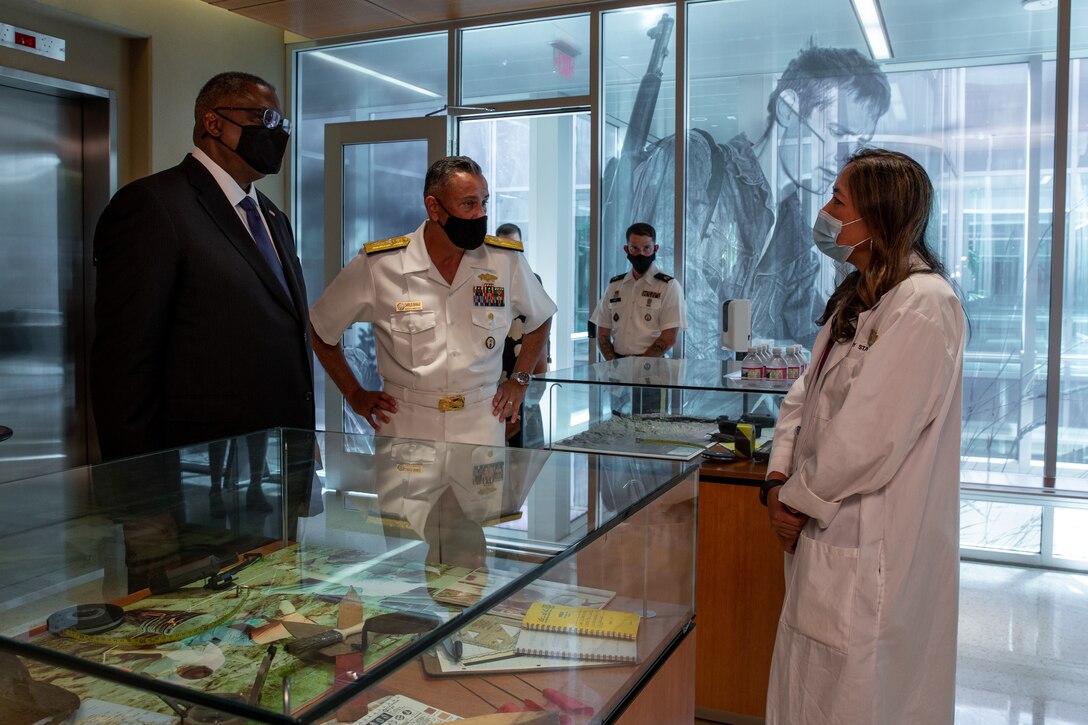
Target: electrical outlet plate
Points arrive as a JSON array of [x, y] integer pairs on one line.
[[31, 42]]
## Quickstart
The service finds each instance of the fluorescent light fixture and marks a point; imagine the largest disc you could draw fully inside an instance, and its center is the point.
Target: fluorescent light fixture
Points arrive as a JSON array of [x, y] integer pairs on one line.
[[872, 22], [372, 73]]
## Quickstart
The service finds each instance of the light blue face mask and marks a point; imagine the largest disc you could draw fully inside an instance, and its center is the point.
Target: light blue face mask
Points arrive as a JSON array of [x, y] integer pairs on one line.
[[825, 233]]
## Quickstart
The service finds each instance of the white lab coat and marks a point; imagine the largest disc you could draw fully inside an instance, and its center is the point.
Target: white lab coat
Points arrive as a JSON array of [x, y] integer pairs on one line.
[[867, 633]]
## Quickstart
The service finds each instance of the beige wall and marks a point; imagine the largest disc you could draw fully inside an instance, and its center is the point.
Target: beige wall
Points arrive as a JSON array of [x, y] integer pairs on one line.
[[155, 54]]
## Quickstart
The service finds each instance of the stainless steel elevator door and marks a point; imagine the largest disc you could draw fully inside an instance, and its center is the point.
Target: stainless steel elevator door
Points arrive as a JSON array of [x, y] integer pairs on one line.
[[41, 283]]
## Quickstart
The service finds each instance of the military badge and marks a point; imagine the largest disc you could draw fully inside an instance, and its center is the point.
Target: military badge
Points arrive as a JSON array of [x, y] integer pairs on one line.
[[651, 293], [648, 317], [616, 317], [873, 335], [487, 277], [488, 295], [489, 343]]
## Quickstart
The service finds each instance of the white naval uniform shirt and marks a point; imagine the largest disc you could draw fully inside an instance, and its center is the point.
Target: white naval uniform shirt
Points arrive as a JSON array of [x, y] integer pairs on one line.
[[433, 336], [637, 310]]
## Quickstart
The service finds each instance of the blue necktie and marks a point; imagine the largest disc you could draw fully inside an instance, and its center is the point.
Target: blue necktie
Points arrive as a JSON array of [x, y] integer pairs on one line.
[[264, 242]]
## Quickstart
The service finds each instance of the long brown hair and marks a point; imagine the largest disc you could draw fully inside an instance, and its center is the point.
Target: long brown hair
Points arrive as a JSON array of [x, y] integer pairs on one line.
[[893, 193]]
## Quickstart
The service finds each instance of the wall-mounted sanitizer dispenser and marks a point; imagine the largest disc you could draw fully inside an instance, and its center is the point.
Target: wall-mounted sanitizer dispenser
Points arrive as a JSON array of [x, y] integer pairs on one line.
[[736, 325]]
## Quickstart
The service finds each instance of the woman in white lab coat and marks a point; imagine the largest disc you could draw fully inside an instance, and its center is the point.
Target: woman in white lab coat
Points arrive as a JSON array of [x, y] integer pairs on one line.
[[863, 489]]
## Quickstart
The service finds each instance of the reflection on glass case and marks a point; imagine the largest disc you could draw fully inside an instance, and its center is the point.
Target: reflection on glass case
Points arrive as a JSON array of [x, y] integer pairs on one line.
[[655, 407], [294, 577]]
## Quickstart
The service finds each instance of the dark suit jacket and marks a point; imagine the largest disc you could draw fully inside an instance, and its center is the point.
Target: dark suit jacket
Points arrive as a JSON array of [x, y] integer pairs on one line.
[[196, 338]]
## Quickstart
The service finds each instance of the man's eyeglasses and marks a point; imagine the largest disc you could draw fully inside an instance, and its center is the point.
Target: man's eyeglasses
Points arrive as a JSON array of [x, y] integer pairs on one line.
[[270, 117]]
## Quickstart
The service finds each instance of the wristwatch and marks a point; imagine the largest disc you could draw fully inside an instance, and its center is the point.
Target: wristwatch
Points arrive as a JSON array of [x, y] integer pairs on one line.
[[521, 378], [765, 488]]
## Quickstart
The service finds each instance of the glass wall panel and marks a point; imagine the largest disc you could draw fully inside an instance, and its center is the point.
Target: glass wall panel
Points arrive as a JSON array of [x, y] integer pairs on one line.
[[771, 116], [968, 92], [1069, 540], [395, 78], [638, 90], [538, 171], [1073, 412], [523, 61], [1000, 526]]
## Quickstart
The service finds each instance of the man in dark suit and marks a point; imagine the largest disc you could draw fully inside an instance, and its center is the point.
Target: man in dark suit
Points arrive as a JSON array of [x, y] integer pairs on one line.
[[201, 309]]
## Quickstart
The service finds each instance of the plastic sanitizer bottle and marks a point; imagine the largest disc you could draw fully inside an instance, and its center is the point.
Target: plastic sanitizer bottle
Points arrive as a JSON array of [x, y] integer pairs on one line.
[[777, 369], [764, 352], [751, 367], [793, 362]]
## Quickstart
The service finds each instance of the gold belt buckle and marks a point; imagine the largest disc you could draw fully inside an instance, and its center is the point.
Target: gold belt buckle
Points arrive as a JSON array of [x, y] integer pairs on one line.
[[451, 402]]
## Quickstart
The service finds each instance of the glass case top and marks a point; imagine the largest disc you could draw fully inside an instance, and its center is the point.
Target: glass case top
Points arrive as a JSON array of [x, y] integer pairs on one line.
[[658, 372], [191, 576]]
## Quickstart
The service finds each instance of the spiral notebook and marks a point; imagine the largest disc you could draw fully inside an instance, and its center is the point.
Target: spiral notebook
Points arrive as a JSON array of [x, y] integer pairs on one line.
[[577, 647], [581, 620]]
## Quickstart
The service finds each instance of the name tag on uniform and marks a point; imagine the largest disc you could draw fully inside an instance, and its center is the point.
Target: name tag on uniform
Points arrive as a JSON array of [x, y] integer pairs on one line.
[[409, 468], [410, 306], [613, 300], [488, 295], [651, 293]]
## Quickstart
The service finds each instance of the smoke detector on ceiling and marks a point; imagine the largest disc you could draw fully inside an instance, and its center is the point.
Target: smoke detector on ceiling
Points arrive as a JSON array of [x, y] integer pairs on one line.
[[1038, 4]]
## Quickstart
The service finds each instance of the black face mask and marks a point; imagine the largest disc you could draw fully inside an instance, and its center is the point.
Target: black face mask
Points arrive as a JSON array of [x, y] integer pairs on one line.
[[641, 262], [259, 146], [468, 234]]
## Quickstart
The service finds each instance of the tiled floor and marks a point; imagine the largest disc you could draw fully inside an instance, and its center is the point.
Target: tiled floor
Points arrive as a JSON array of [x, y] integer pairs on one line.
[[1023, 651]]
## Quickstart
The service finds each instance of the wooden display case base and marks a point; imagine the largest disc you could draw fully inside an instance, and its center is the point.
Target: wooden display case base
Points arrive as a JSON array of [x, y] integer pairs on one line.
[[669, 695], [739, 593]]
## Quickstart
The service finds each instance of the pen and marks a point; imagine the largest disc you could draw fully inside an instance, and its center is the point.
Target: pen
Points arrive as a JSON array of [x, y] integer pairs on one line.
[[262, 673]]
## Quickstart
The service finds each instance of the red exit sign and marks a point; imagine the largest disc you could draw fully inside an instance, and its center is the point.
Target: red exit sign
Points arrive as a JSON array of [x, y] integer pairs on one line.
[[32, 41]]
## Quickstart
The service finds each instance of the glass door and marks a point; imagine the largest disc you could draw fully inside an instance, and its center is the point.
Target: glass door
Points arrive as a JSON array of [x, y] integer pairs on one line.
[[374, 172]]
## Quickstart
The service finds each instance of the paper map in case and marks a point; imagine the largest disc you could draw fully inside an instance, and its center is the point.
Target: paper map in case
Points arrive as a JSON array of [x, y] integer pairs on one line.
[[671, 437], [469, 589], [580, 620], [577, 647]]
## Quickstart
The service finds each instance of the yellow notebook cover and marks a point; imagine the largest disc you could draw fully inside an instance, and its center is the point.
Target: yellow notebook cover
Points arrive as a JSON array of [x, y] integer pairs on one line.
[[581, 620]]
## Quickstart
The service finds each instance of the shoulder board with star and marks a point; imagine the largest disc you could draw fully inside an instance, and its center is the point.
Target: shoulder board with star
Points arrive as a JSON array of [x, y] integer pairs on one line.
[[504, 243], [385, 245], [618, 277], [663, 277]]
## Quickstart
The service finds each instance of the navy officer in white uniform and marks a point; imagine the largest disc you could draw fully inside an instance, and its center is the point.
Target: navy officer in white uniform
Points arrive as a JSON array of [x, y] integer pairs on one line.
[[643, 310], [441, 300]]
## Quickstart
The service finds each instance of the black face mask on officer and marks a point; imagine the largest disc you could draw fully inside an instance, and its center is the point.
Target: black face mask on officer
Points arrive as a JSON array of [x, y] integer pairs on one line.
[[259, 146], [641, 262], [468, 234]]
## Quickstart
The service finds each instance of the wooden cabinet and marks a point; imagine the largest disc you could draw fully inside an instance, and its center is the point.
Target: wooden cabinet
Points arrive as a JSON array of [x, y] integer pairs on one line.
[[740, 588]]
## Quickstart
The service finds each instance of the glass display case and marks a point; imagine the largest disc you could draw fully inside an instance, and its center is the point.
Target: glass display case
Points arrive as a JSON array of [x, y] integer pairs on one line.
[[654, 407], [294, 577]]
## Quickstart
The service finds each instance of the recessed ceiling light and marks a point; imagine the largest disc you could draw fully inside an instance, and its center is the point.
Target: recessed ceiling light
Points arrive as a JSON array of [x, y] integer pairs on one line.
[[1038, 4], [872, 23], [335, 60]]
